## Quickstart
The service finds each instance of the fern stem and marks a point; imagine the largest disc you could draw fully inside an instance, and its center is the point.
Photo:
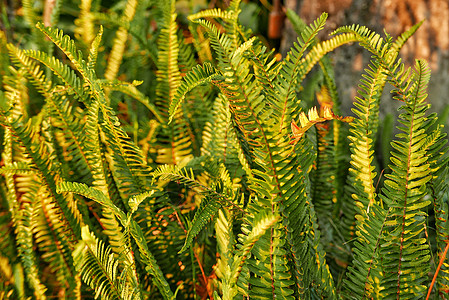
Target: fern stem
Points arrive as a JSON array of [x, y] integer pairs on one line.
[[443, 257]]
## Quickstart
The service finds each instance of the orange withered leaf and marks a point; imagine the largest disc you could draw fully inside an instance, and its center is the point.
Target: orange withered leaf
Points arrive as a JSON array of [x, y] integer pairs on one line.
[[312, 118]]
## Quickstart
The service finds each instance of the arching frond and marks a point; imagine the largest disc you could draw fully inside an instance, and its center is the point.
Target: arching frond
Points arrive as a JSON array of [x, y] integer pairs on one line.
[[197, 76], [313, 118], [71, 81], [100, 270], [131, 90], [130, 224], [214, 13]]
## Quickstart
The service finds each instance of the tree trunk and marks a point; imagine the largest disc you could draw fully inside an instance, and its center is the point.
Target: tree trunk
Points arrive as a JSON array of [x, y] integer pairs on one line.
[[430, 42]]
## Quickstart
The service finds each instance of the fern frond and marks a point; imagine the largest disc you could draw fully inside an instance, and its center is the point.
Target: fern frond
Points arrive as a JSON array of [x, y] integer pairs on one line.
[[49, 232], [313, 118], [84, 24], [99, 269], [287, 78], [131, 90], [135, 201], [93, 51], [367, 212], [22, 216], [125, 159], [118, 48], [130, 224], [219, 137], [438, 190], [368, 39], [213, 13], [197, 76], [262, 222], [46, 164], [29, 13], [35, 74], [268, 263], [405, 250], [186, 176], [403, 38], [168, 75], [67, 45], [65, 73], [25, 243], [207, 211], [16, 167]]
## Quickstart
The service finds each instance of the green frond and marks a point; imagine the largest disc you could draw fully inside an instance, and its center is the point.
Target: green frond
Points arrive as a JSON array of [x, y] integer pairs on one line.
[[363, 132], [186, 176], [302, 234], [297, 66], [367, 211], [265, 69], [197, 76], [438, 190], [71, 81], [206, 212], [118, 48], [29, 13], [35, 74], [125, 159], [366, 273], [67, 45], [100, 270], [130, 225], [131, 90], [16, 167], [135, 201], [91, 193], [323, 189], [268, 265], [68, 131], [339, 131], [25, 248], [219, 193], [368, 39], [93, 51], [50, 237], [168, 75], [178, 138], [244, 95], [84, 24], [262, 222], [59, 106], [219, 137], [403, 38], [405, 250], [220, 42], [22, 218], [47, 167], [213, 13]]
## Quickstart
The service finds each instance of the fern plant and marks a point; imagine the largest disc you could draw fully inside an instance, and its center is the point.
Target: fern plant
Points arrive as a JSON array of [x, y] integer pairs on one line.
[[207, 167]]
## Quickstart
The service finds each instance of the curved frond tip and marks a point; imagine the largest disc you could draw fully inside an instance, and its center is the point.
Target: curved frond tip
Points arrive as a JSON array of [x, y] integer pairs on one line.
[[312, 118]]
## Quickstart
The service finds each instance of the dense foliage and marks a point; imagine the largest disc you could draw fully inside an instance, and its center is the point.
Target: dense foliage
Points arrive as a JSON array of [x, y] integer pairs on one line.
[[146, 155]]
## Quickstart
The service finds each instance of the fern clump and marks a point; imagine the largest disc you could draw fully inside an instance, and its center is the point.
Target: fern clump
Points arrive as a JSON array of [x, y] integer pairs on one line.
[[139, 161]]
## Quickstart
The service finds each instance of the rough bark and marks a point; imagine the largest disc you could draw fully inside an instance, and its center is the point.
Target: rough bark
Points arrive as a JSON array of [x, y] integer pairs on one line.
[[431, 42]]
